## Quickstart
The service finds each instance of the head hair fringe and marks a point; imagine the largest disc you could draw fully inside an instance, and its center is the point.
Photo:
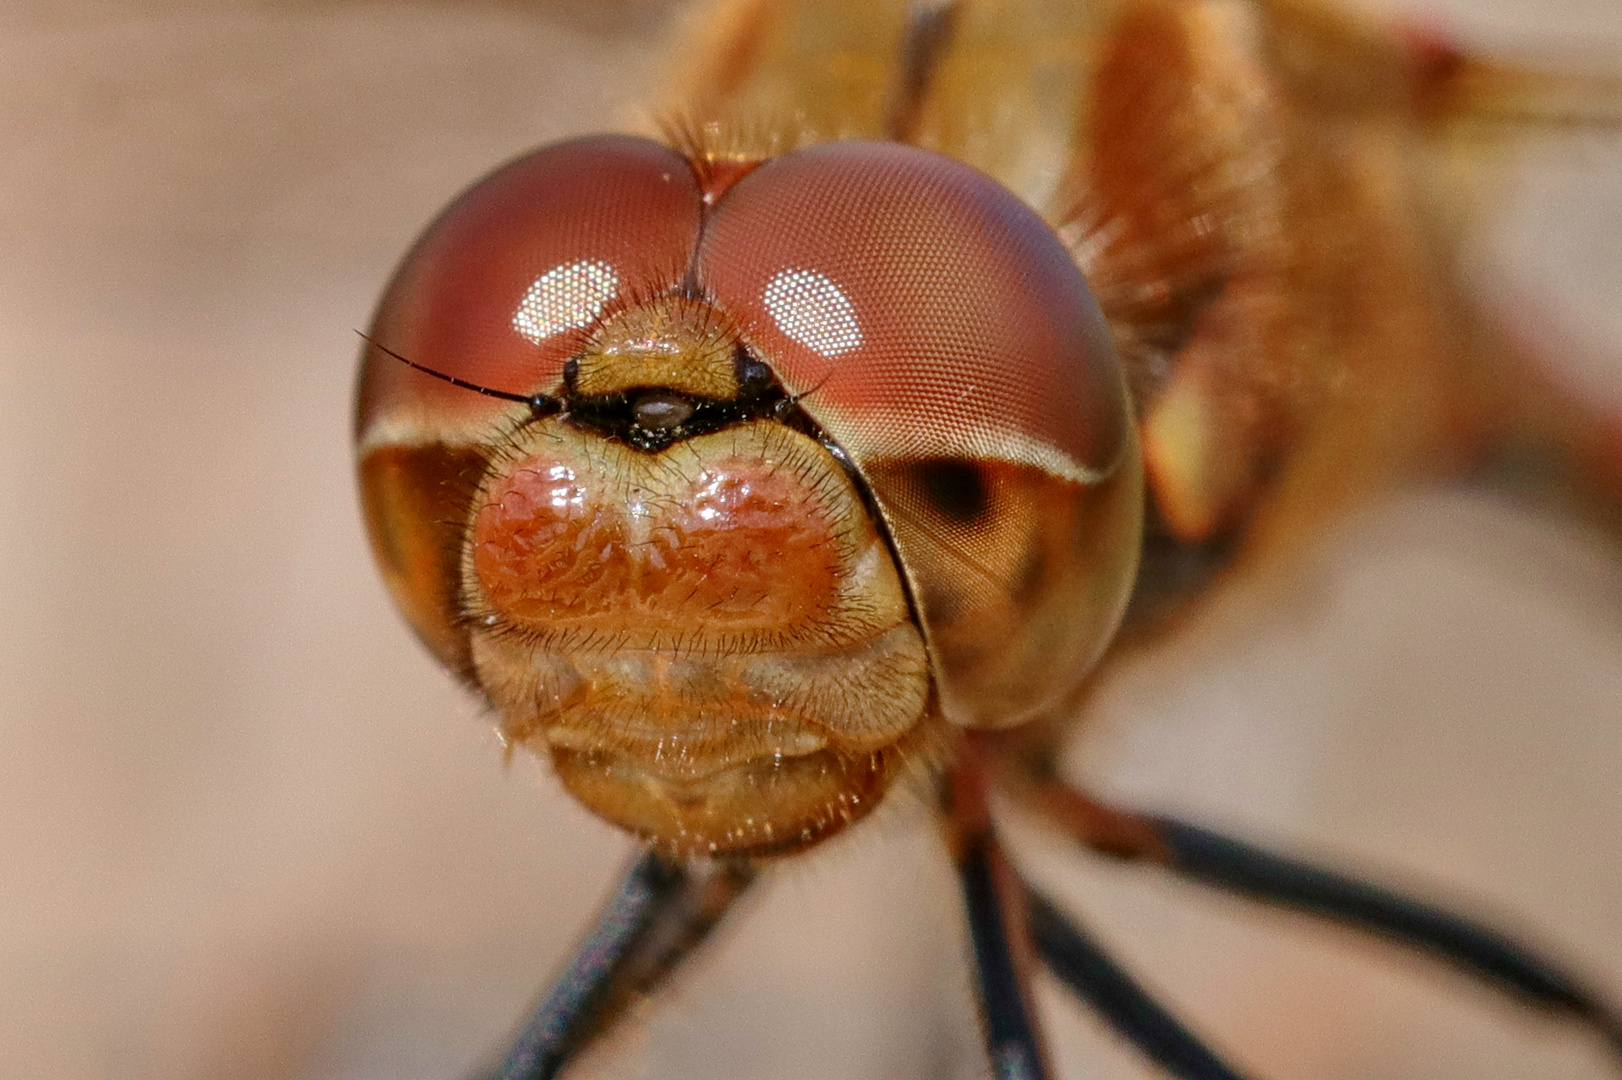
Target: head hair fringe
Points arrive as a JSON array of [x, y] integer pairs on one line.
[[707, 140]]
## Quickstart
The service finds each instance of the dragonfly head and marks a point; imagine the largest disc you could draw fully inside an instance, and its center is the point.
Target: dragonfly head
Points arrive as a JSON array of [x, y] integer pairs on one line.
[[825, 466]]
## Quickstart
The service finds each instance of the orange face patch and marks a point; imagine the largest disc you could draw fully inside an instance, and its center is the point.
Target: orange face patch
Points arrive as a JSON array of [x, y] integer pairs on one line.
[[712, 642], [738, 543]]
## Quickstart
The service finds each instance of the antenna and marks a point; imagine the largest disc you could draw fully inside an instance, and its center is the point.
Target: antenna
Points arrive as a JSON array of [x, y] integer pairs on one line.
[[540, 404]]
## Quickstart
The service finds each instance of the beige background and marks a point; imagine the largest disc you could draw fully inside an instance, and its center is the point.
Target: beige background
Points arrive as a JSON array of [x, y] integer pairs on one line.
[[248, 830]]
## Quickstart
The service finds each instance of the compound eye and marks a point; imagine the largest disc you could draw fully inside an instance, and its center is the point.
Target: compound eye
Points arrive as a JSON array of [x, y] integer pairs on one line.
[[500, 291], [939, 331], [924, 306], [510, 280]]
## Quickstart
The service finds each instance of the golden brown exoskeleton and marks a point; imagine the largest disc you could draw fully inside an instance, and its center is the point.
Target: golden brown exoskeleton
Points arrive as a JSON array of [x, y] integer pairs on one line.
[[940, 353]]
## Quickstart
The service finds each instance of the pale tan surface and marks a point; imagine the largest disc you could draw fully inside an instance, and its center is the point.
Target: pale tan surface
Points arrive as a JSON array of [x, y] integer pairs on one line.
[[248, 830]]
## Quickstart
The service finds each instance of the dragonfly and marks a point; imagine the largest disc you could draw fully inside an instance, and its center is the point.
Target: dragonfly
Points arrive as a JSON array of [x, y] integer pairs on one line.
[[933, 359]]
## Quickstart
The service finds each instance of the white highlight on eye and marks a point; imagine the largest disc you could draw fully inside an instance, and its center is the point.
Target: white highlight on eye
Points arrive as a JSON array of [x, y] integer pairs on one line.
[[812, 310], [564, 298]]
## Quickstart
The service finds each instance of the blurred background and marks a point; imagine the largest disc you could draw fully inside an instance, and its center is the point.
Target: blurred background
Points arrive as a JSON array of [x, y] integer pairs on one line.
[[249, 830]]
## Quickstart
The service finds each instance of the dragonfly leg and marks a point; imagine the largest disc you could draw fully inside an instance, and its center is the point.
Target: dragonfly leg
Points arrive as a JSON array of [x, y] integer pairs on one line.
[[1082, 964], [994, 898], [1240, 867], [660, 913]]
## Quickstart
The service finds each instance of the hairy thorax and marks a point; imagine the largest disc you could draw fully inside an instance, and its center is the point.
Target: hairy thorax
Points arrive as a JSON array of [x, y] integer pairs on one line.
[[711, 640]]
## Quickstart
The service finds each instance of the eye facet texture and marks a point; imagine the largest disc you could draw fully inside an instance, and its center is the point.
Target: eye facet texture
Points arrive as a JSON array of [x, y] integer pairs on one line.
[[512, 278], [934, 314]]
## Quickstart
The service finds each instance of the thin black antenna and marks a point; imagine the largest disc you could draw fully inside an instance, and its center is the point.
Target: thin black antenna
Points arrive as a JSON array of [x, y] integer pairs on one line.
[[539, 403], [795, 399]]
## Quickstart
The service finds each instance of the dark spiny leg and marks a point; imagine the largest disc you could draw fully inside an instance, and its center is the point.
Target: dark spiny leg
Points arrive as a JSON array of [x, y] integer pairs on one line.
[[1083, 965], [1487, 954], [1236, 866], [660, 913], [923, 44], [995, 901]]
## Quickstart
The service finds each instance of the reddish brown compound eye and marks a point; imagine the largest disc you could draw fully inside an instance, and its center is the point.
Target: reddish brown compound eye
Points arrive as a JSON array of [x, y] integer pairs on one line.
[[945, 339], [514, 275], [501, 290]]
